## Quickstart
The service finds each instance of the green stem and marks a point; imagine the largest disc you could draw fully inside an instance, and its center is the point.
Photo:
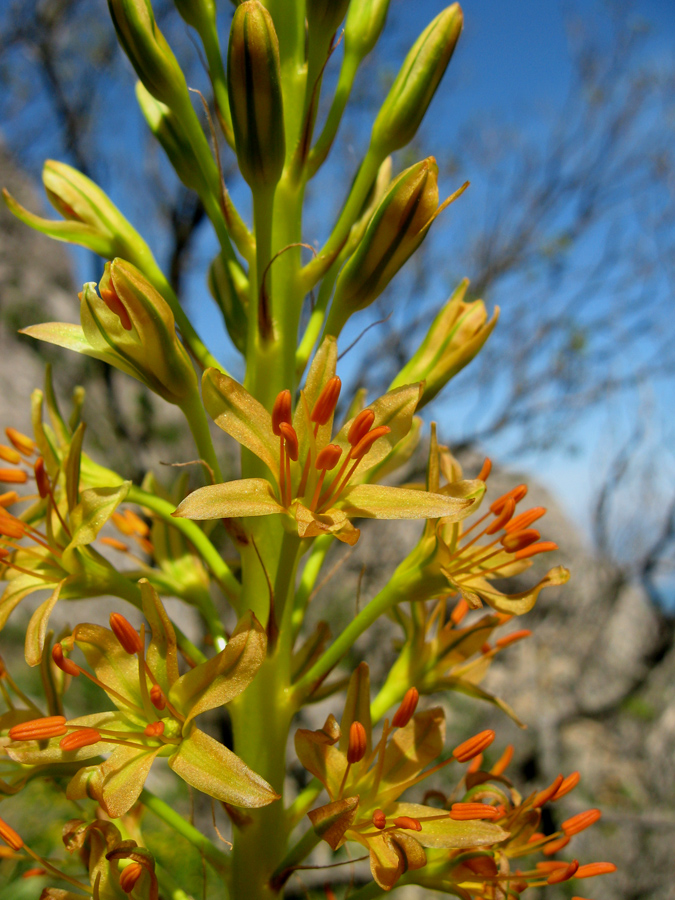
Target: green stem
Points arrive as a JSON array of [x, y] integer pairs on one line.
[[168, 814], [195, 414], [321, 148], [308, 578], [295, 856], [316, 318], [220, 569], [214, 61]]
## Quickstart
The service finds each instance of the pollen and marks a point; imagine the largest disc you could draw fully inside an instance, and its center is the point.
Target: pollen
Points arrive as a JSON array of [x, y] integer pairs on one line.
[[580, 822], [503, 517], [13, 476], [408, 822], [459, 612], [129, 877], [125, 633], [9, 836], [39, 729], [407, 708], [10, 526], [24, 444], [83, 737], [154, 729], [8, 498], [360, 426], [281, 411], [475, 745], [466, 812], [357, 743], [379, 819], [327, 401]]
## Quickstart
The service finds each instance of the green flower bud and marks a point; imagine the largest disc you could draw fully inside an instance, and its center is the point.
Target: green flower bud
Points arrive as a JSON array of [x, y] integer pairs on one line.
[[416, 83], [91, 218], [324, 18], [254, 88], [200, 14], [132, 326], [399, 225], [456, 335], [148, 50], [229, 288], [365, 21]]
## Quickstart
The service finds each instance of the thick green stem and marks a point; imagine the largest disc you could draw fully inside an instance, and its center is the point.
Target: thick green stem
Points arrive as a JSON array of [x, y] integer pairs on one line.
[[308, 578], [321, 148], [219, 568], [168, 814]]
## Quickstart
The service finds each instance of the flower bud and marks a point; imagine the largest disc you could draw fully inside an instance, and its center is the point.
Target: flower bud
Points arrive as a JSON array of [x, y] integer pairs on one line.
[[229, 288], [201, 14], [323, 20], [455, 336], [254, 88], [399, 225], [134, 321], [365, 21], [415, 85], [148, 50]]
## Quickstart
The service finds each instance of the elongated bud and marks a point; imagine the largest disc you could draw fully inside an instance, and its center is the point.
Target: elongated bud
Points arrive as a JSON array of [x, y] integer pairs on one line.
[[327, 401], [9, 836], [157, 698], [357, 743], [398, 226], [129, 877], [39, 729], [281, 411], [201, 14], [83, 737], [416, 83], [148, 51], [125, 633], [475, 745], [133, 327], [365, 21], [454, 337], [254, 88], [407, 708], [323, 19], [229, 288], [62, 662]]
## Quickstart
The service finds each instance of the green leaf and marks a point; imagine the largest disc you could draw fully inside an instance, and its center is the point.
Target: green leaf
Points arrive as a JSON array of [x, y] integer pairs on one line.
[[245, 497], [376, 501], [71, 337], [391, 855], [213, 769], [162, 654], [516, 604], [122, 778], [473, 690], [16, 590], [332, 820], [37, 627], [410, 750], [96, 506], [241, 416], [219, 680], [72, 468], [111, 662]]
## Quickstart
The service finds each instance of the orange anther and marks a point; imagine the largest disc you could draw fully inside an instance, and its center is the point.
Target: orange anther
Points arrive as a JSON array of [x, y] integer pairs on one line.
[[281, 411], [552, 865], [66, 665], [475, 745], [157, 697], [10, 526], [516, 494], [554, 846], [9, 454], [356, 749], [291, 440], [466, 812], [379, 819], [565, 874], [41, 477], [368, 440], [328, 458], [475, 764], [486, 648], [115, 305], [503, 761], [517, 540], [360, 426], [590, 870], [24, 444], [408, 823], [154, 729], [34, 873], [115, 544], [525, 519], [482, 865], [568, 785], [83, 737], [130, 876], [9, 836], [125, 633], [533, 838], [122, 524], [327, 401], [407, 708], [534, 549], [13, 476], [8, 498], [580, 822], [137, 525], [549, 792], [503, 516], [460, 610], [485, 470], [38, 729], [512, 638]]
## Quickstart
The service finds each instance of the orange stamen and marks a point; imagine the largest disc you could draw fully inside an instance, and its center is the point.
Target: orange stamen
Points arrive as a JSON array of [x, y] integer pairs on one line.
[[368, 440], [554, 846], [84, 737], [590, 870], [10, 455], [466, 812], [281, 411], [459, 612], [115, 544], [545, 795], [568, 785], [512, 638], [518, 540], [361, 425], [327, 401], [41, 478], [24, 444], [13, 476], [475, 745], [9, 836], [357, 743], [485, 470], [126, 634], [11, 526], [138, 525], [129, 877], [328, 458], [34, 873], [291, 440], [39, 729], [8, 498], [565, 874], [503, 517], [408, 823], [516, 494], [115, 305], [379, 819], [154, 729], [553, 865], [62, 662], [525, 519], [157, 697], [580, 822], [407, 708], [503, 761], [534, 549], [122, 524], [475, 764]]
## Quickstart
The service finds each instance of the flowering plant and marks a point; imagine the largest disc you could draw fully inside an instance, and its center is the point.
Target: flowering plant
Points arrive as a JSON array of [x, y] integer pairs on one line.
[[311, 466]]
